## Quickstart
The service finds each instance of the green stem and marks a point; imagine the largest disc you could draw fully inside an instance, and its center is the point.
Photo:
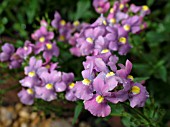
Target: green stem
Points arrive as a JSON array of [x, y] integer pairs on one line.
[[140, 114]]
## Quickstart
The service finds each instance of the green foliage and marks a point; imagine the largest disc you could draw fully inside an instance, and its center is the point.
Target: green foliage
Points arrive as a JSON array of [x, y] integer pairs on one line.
[[77, 111]]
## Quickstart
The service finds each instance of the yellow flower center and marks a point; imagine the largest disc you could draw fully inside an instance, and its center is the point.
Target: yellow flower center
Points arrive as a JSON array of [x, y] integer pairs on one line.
[[63, 22], [90, 40], [122, 40], [99, 99], [130, 77], [47, 66], [113, 20], [121, 6], [31, 74], [62, 38], [99, 9], [86, 81], [30, 91], [76, 23], [71, 85], [42, 39], [126, 27], [111, 10], [105, 51], [49, 86], [145, 8], [110, 74], [135, 90], [49, 46], [104, 22]]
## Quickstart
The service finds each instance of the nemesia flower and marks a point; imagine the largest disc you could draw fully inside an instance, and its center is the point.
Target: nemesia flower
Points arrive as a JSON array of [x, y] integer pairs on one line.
[[101, 6], [88, 37], [43, 23], [123, 44], [70, 92], [26, 50], [32, 71], [132, 24], [15, 61], [125, 71], [27, 96], [41, 36], [50, 50], [84, 89], [47, 90], [58, 22], [97, 105], [112, 37], [50, 66], [138, 95], [145, 11], [135, 9], [7, 51]]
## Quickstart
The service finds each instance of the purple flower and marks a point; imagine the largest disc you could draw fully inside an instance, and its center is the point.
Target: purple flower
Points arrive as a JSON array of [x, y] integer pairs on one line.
[[15, 61], [112, 62], [70, 92], [125, 71], [135, 9], [120, 93], [123, 44], [50, 84], [43, 23], [26, 96], [145, 10], [101, 6], [84, 89], [132, 24], [41, 36], [34, 68], [97, 105], [138, 95], [50, 66], [58, 22], [50, 50], [7, 51], [26, 50], [112, 37], [88, 37], [65, 32]]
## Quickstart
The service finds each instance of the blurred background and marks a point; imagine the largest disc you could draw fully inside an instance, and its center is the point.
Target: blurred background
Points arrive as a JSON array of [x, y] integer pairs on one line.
[[150, 57]]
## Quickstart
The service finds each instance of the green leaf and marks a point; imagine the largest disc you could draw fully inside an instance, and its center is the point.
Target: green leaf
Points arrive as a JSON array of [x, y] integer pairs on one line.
[[161, 73], [77, 112], [150, 2], [139, 79], [117, 110], [82, 9]]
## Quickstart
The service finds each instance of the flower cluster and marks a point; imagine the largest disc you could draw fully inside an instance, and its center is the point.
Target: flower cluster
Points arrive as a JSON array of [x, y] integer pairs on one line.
[[104, 83], [111, 32], [104, 80], [66, 29], [43, 81], [12, 58]]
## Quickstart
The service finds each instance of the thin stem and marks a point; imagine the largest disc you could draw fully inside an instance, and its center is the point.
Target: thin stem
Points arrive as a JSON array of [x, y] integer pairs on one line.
[[140, 114]]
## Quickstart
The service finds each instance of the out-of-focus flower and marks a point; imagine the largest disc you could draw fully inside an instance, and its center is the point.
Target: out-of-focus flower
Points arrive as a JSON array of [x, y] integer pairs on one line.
[[26, 50], [27, 96], [7, 51], [101, 6], [138, 95]]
